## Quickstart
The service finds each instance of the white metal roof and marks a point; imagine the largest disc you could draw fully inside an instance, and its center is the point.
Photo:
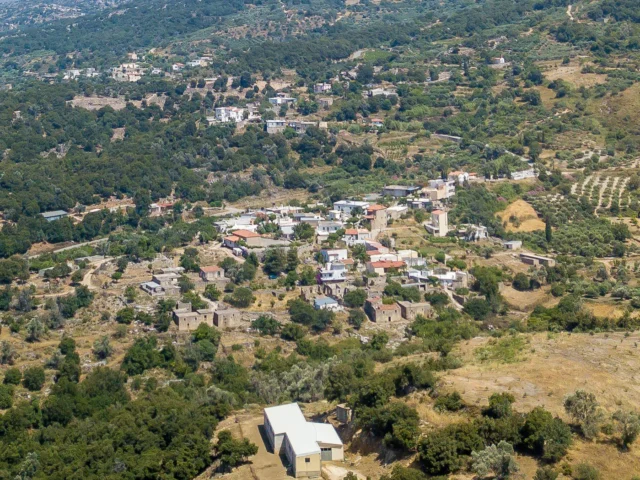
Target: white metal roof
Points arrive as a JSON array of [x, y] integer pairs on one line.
[[325, 433], [303, 436], [283, 417]]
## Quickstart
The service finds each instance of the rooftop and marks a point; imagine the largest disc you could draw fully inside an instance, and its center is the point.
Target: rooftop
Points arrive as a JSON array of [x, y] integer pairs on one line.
[[324, 301], [303, 436], [355, 231], [388, 264], [375, 208], [54, 213], [210, 269], [245, 234]]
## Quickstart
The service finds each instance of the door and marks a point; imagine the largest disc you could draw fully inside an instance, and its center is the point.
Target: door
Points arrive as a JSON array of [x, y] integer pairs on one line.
[[325, 454]]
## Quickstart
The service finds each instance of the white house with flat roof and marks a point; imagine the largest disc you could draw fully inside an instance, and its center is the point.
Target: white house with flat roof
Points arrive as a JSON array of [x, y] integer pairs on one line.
[[305, 444], [347, 206]]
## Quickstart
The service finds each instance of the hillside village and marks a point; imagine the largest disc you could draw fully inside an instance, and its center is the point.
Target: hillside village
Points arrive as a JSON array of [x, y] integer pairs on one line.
[[353, 240]]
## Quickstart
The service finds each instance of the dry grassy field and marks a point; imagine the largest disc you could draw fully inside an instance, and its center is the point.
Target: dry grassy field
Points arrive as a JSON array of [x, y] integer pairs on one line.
[[526, 217]]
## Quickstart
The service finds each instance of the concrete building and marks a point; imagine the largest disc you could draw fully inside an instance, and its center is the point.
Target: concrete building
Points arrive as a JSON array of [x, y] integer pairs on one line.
[[347, 207], [382, 313], [424, 203], [531, 259], [326, 228], [212, 274], [276, 126], [473, 233], [322, 88], [386, 92], [354, 236], [282, 99], [325, 102], [54, 215], [378, 216], [439, 226], [445, 277], [188, 320], [513, 245], [458, 176], [326, 303], [305, 444], [333, 272], [396, 211], [521, 175], [399, 190], [344, 414], [162, 284], [439, 190], [384, 267], [334, 255], [229, 114], [227, 318], [410, 310]]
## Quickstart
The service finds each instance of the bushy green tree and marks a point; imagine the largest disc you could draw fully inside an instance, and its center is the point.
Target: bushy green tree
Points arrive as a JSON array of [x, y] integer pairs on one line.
[[231, 452], [33, 378]]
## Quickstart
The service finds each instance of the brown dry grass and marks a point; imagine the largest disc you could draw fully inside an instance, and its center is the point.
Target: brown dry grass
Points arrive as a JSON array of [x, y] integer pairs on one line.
[[605, 310], [525, 301], [526, 215], [571, 73]]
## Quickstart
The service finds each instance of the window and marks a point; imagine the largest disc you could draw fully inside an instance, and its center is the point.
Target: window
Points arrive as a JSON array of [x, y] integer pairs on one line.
[[307, 460]]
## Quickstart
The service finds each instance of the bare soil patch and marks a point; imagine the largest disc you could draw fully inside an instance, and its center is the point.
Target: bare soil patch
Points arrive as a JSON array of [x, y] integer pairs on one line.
[[526, 217]]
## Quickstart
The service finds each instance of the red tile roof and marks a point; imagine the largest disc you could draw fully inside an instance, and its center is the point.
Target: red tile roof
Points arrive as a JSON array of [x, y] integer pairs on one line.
[[383, 306], [232, 238], [245, 234], [355, 231], [376, 207], [210, 269], [388, 264], [437, 212]]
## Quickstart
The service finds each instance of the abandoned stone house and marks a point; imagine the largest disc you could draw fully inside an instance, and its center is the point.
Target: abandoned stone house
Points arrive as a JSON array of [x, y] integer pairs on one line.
[[212, 274], [227, 318], [188, 320], [382, 313], [410, 310]]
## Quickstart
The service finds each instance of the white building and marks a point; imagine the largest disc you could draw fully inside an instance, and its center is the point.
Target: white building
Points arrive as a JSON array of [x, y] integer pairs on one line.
[[346, 207], [305, 444], [230, 114], [386, 92], [513, 245], [326, 228], [449, 187], [399, 190], [448, 279], [326, 303], [354, 236], [282, 99], [333, 272], [334, 255], [521, 175], [439, 226], [458, 176], [322, 87], [127, 72]]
